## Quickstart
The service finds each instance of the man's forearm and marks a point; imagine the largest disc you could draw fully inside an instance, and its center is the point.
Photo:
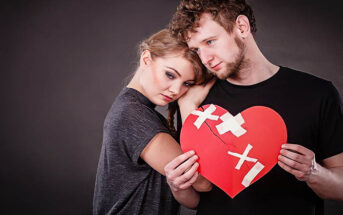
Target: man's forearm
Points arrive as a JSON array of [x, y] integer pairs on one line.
[[327, 183]]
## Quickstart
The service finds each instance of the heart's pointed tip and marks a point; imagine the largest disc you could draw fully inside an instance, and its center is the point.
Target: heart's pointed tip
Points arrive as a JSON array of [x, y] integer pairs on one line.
[[232, 195]]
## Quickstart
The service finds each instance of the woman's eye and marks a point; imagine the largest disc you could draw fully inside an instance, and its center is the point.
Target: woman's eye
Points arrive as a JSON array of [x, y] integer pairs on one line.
[[188, 84], [196, 50], [170, 75]]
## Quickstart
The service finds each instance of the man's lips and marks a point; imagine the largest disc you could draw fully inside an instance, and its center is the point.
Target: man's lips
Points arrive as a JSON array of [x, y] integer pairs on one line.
[[167, 98], [217, 66]]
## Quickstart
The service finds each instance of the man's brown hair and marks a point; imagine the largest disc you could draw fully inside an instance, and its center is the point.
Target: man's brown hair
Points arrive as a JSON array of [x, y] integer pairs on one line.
[[225, 12]]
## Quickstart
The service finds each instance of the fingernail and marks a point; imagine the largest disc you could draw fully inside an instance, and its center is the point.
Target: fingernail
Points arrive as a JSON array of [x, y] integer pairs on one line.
[[191, 152]]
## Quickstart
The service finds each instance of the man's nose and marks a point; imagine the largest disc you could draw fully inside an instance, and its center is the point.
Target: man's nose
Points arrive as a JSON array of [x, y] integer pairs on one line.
[[206, 56]]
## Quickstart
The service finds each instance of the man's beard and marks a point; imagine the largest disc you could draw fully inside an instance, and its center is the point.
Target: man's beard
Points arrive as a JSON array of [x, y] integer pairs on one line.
[[233, 68]]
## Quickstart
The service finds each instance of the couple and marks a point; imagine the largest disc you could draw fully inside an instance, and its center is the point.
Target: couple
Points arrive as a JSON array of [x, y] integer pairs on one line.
[[139, 145]]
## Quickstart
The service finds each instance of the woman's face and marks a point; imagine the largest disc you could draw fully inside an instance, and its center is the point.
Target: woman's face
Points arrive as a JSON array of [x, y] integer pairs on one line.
[[166, 79]]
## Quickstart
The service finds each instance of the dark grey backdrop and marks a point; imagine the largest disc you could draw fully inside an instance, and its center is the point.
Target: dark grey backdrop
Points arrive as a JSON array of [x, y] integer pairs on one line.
[[63, 63]]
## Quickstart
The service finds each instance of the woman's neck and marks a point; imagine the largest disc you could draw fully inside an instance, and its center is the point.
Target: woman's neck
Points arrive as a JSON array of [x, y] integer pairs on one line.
[[135, 82]]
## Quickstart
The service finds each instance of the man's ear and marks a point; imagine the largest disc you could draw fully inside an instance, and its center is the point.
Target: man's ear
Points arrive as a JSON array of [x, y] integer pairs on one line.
[[145, 58], [243, 26]]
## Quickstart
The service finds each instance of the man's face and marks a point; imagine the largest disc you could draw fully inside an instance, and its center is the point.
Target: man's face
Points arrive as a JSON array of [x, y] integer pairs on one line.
[[222, 53]]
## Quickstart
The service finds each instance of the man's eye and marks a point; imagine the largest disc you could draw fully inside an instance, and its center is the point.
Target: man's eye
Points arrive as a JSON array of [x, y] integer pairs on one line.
[[210, 42], [170, 75]]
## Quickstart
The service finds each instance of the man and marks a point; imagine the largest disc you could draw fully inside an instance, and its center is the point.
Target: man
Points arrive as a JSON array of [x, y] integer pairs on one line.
[[310, 166]]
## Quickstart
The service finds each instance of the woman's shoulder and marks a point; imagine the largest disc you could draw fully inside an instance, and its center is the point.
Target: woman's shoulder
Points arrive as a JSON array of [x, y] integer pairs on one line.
[[132, 102], [130, 107]]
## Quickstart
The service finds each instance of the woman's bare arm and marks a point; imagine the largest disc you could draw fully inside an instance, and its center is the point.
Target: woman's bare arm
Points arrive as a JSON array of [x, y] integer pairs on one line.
[[163, 149]]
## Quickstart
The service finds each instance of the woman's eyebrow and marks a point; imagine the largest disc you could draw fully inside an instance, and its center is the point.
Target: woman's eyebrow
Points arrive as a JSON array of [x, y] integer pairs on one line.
[[174, 70]]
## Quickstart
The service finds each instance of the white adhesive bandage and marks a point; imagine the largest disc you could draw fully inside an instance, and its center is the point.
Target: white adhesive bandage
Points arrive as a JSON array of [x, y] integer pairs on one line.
[[207, 114], [243, 157], [257, 168], [232, 124]]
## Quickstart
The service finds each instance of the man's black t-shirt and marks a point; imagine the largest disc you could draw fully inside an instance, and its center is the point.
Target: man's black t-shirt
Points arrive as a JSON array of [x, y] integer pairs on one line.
[[311, 109]]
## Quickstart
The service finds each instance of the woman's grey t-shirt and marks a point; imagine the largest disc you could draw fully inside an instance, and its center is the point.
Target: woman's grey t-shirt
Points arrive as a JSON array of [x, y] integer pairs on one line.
[[125, 184]]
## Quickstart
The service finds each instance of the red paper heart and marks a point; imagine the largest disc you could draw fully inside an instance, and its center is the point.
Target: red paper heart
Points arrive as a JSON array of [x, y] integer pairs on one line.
[[219, 154]]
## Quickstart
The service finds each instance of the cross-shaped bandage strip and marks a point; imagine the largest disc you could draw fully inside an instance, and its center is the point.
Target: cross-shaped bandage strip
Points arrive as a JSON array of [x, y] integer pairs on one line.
[[231, 123], [253, 172], [243, 157], [207, 114]]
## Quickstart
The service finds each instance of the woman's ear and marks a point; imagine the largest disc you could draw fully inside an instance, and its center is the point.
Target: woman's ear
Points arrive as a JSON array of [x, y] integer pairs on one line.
[[243, 26], [146, 58]]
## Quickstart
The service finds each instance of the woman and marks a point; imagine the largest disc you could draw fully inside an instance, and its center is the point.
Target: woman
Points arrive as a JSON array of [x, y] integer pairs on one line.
[[137, 142]]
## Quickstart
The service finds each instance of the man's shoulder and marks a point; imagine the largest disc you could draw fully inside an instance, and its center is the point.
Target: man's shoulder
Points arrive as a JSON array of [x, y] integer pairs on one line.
[[304, 79], [297, 75]]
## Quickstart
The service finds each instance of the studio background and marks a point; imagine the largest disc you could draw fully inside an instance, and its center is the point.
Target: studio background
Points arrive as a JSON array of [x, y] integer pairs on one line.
[[64, 62]]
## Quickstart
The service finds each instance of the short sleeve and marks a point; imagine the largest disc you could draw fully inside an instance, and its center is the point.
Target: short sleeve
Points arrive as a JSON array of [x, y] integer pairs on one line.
[[134, 127], [331, 125]]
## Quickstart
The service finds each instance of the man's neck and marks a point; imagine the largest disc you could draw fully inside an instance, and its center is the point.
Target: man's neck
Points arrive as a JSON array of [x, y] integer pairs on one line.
[[256, 68], [253, 74]]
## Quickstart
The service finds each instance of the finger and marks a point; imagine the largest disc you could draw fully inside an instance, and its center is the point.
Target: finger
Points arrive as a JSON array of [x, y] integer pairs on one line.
[[182, 168], [190, 182], [178, 160], [186, 176], [300, 158], [294, 164], [173, 174], [178, 180], [300, 149], [298, 174]]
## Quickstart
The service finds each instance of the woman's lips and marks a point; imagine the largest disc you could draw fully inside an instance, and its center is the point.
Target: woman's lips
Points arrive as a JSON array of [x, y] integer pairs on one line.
[[166, 98]]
